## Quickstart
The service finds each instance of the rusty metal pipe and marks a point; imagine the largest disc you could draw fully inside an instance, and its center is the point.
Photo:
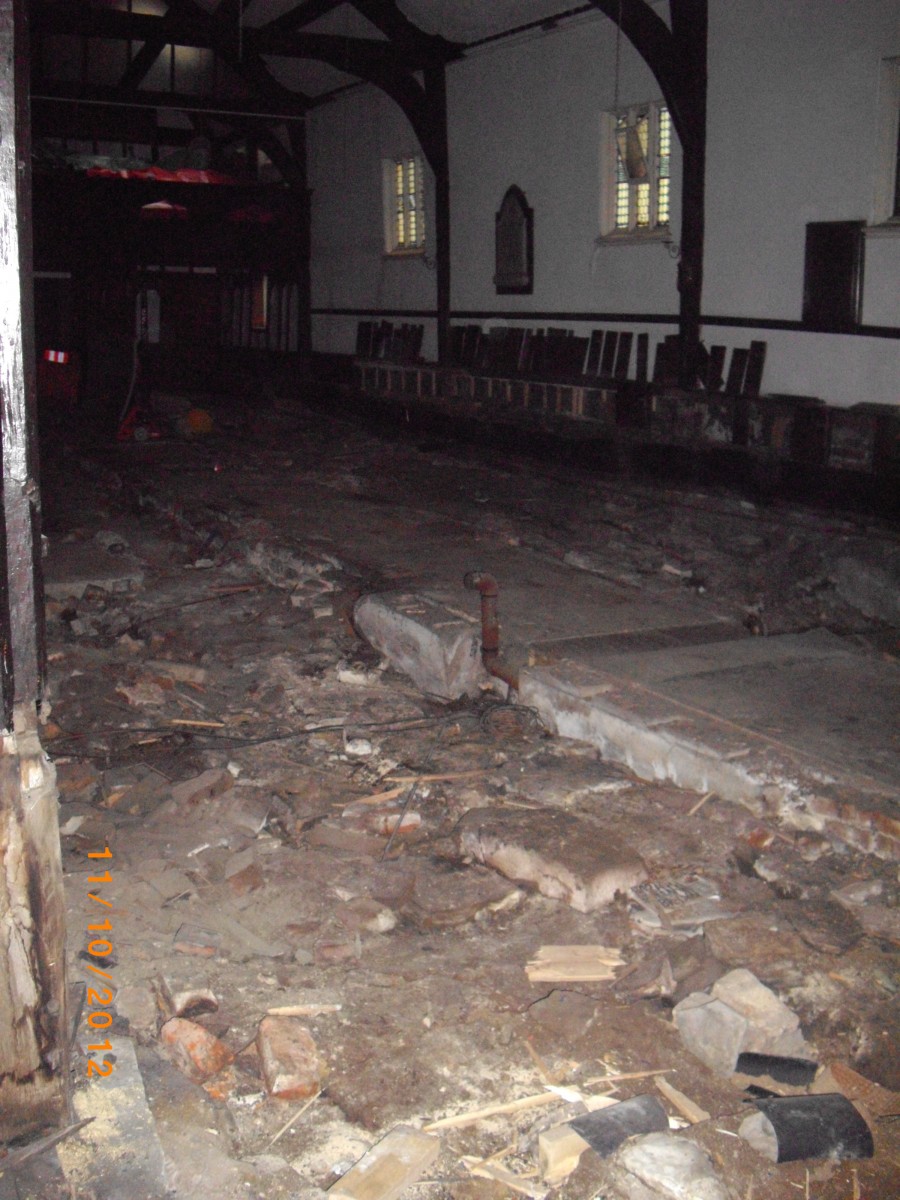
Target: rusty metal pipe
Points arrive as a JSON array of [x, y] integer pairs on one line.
[[486, 585]]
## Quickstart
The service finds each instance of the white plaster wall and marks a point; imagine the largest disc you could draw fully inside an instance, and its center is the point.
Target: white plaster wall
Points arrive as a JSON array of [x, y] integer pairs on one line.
[[529, 113], [348, 141], [793, 95], [790, 139]]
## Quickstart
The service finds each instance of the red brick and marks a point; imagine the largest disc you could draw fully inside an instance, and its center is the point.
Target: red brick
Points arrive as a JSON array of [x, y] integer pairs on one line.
[[291, 1065], [194, 1050]]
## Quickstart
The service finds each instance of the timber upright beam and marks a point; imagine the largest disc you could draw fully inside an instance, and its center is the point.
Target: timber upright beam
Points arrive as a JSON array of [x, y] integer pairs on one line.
[[677, 57], [33, 1025]]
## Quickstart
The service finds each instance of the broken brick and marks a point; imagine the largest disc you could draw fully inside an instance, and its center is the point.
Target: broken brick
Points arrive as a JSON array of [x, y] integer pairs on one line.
[[329, 950], [291, 1065], [194, 1001], [196, 1052], [365, 915], [246, 880], [222, 1085]]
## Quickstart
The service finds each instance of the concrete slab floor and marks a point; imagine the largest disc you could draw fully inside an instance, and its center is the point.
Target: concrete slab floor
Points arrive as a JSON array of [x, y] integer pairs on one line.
[[404, 959]]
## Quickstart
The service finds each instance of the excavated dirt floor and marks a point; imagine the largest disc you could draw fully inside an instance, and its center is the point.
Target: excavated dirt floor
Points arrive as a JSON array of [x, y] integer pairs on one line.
[[221, 642]]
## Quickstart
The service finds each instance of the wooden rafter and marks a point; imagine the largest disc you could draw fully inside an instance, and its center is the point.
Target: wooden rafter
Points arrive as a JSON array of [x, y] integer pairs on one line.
[[111, 98], [405, 37], [137, 70], [302, 14], [664, 51], [405, 62]]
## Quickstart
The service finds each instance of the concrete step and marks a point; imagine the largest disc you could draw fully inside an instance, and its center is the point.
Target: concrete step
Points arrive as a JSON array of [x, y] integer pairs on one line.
[[798, 727]]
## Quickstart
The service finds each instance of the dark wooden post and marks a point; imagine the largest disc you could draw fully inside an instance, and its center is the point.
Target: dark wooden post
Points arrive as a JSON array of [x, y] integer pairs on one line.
[[689, 27], [302, 197], [677, 57], [436, 93], [33, 1026]]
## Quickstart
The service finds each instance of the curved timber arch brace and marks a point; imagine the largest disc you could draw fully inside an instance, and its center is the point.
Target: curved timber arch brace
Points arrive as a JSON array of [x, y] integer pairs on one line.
[[677, 57], [425, 107], [393, 65]]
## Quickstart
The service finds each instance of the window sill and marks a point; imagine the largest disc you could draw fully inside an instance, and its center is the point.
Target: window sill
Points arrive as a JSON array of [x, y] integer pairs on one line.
[[889, 229], [416, 252], [636, 238]]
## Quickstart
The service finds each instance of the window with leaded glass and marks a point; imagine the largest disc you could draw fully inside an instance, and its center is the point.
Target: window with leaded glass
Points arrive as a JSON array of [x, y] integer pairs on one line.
[[636, 171], [404, 205]]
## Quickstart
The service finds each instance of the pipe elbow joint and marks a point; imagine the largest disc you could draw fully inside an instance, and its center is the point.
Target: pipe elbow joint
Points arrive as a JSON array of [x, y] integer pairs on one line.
[[481, 581]]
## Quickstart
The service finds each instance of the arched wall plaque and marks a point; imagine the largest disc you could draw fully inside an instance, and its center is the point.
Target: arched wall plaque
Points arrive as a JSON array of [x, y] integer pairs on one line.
[[514, 245]]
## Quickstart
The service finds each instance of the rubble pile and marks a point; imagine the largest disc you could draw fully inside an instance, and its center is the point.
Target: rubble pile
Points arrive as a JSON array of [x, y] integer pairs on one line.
[[368, 942]]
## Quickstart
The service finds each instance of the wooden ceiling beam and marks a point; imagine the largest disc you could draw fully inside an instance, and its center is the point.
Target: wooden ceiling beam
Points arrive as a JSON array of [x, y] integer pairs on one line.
[[138, 68], [110, 97], [109, 23], [300, 15], [187, 24], [424, 48], [668, 54]]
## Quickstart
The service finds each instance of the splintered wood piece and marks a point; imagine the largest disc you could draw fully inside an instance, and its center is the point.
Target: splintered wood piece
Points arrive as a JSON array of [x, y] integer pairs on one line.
[[559, 1152], [373, 799], [485, 1169], [391, 1166], [576, 964], [688, 1109], [619, 1075], [880, 1101], [493, 1110], [198, 724], [303, 1010]]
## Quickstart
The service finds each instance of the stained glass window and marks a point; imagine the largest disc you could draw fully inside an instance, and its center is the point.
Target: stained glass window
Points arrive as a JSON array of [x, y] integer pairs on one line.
[[643, 140], [407, 226]]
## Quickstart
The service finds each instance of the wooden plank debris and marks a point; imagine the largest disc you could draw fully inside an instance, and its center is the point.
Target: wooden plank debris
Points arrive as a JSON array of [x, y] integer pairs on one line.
[[17, 1158], [876, 1099], [559, 1151], [315, 1009], [619, 1075], [391, 1166], [574, 964], [689, 1110], [487, 1169]]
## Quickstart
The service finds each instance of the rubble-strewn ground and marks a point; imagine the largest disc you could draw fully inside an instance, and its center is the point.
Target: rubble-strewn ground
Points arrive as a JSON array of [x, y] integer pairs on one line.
[[272, 883]]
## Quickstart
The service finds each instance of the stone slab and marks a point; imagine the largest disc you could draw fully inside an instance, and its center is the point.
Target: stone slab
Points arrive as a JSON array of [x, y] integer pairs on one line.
[[808, 691], [635, 735], [566, 857], [439, 650], [664, 1166], [711, 1030], [119, 1153], [703, 718], [773, 1028]]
